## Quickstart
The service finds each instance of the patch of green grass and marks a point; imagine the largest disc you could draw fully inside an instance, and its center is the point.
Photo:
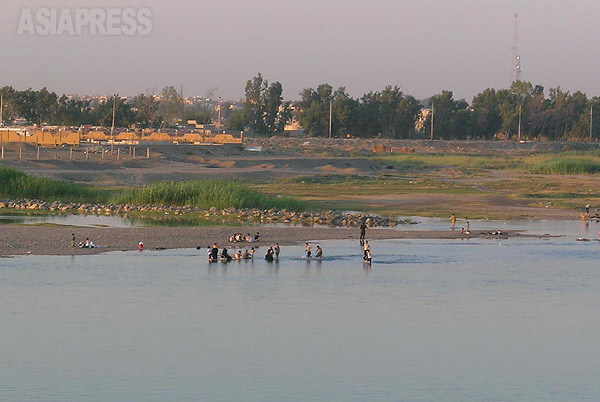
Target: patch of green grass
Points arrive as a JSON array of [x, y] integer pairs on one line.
[[16, 184], [559, 195], [221, 194], [567, 166], [421, 161], [336, 188], [205, 194]]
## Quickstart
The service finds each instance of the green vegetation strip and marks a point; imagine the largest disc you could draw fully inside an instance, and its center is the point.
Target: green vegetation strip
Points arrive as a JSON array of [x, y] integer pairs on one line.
[[567, 166], [16, 184], [205, 194], [569, 162]]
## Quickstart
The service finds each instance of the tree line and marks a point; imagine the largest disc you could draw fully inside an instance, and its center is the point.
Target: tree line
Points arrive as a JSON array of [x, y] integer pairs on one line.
[[47, 108], [523, 109]]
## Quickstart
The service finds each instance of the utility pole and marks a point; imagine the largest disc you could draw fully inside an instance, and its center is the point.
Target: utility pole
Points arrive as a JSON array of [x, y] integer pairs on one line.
[[1, 109], [219, 118], [431, 121], [520, 112], [112, 129], [330, 116], [591, 122]]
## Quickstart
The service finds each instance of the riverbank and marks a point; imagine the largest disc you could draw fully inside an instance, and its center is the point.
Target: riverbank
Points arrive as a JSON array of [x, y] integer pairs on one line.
[[42, 240]]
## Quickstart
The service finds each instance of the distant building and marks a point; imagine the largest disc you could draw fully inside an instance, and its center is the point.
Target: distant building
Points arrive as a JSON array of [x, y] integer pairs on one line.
[[292, 126], [420, 122]]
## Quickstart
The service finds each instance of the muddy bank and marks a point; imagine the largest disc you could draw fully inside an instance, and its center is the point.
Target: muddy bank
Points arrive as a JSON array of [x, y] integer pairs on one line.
[[40, 240]]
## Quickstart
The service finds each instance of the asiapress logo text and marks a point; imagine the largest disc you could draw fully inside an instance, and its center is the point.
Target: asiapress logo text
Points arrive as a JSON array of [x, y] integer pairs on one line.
[[82, 21]]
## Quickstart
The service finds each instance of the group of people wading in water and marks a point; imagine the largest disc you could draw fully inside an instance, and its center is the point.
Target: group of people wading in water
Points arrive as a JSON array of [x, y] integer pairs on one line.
[[214, 256], [273, 251]]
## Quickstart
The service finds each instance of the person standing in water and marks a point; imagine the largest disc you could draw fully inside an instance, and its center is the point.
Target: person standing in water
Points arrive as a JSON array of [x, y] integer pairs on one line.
[[269, 255], [363, 231], [319, 254], [308, 250], [468, 227], [453, 221], [368, 257], [277, 251], [366, 249], [215, 252], [587, 211]]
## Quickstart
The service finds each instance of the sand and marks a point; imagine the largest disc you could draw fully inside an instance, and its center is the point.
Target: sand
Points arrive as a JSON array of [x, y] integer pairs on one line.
[[42, 240]]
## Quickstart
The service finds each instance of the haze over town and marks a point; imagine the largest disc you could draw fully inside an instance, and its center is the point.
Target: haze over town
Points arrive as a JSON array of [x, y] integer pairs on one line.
[[421, 46]]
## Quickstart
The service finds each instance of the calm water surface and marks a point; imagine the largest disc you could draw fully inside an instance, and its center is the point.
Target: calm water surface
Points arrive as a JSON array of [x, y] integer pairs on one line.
[[479, 320]]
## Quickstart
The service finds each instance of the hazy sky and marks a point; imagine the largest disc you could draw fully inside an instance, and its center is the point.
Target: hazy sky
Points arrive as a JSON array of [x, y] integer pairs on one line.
[[423, 46]]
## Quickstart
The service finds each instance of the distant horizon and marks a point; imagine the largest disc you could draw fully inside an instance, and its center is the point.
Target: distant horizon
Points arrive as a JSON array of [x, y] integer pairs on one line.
[[464, 46]]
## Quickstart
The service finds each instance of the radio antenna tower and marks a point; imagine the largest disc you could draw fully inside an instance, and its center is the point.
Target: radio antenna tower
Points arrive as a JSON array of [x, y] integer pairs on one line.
[[516, 55]]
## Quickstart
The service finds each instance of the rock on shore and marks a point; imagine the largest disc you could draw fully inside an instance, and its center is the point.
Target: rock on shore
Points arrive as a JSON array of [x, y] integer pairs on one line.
[[273, 215]]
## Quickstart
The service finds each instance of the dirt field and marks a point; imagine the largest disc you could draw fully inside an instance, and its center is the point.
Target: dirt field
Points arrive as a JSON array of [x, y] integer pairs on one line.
[[472, 192]]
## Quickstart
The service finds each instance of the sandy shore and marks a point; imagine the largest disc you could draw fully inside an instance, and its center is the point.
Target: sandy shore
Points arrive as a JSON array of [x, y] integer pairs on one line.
[[42, 240]]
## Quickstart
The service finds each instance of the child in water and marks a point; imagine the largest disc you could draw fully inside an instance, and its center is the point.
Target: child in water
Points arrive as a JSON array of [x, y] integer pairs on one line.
[[368, 258], [308, 251]]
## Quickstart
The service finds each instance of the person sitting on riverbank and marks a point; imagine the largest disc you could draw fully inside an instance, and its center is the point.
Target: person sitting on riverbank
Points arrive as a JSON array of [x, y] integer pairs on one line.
[[496, 233], [236, 238], [249, 238], [257, 237], [88, 244]]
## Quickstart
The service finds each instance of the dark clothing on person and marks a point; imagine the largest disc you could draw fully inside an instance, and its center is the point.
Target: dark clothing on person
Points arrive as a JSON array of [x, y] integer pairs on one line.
[[363, 231], [225, 257]]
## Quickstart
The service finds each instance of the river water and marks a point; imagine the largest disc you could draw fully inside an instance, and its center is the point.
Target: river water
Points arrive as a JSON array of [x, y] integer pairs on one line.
[[476, 320]]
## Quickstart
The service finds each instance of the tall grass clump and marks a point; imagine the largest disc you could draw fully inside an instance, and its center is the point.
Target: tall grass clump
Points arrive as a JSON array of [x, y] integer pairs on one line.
[[16, 184], [205, 194], [567, 166]]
